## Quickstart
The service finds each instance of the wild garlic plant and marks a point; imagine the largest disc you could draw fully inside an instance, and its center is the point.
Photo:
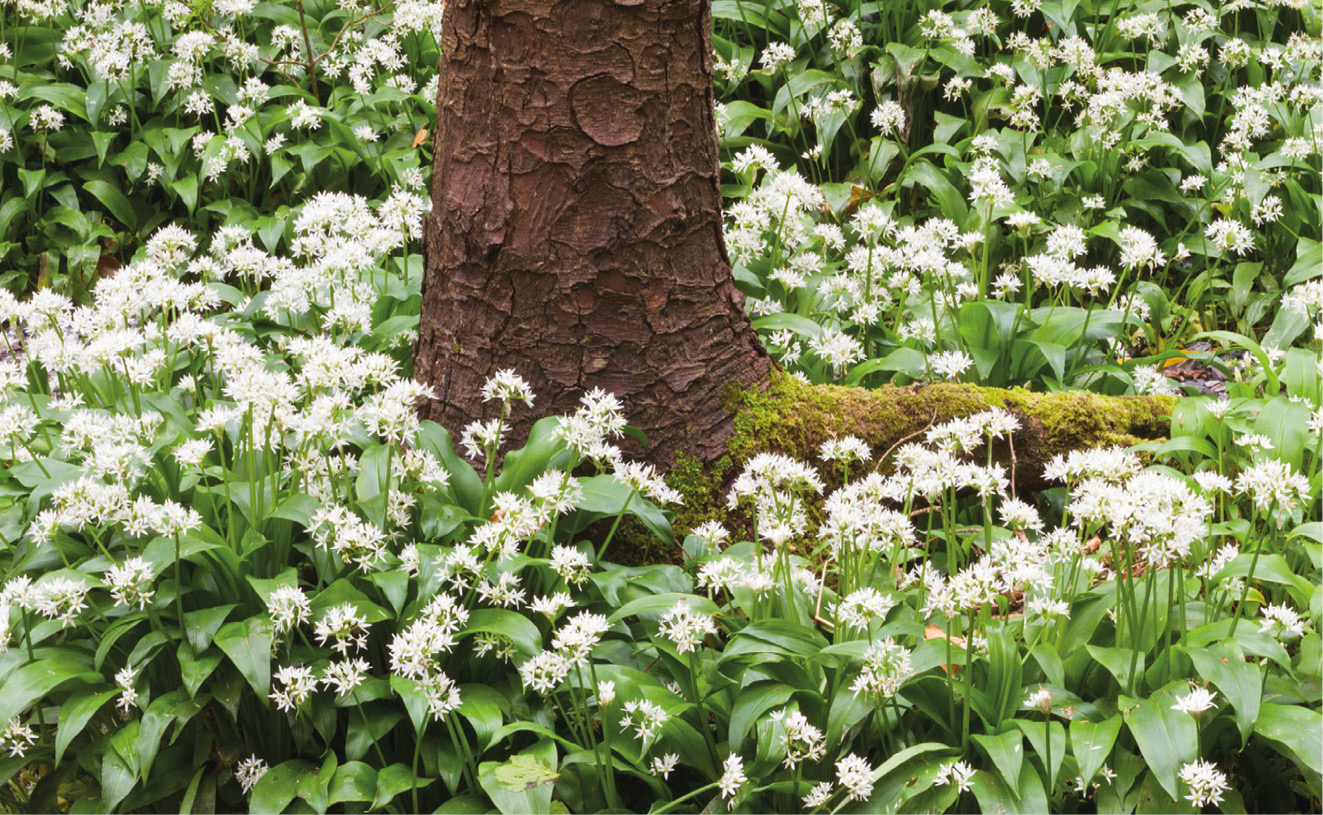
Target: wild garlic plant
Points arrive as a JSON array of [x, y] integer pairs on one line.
[[1043, 193], [118, 116], [1106, 633], [223, 500], [224, 515]]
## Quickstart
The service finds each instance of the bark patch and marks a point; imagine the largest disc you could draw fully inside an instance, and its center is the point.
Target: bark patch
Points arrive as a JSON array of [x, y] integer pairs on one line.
[[608, 111]]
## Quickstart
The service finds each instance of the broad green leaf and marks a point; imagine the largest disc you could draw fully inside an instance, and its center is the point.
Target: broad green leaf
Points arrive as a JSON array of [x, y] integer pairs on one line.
[[523, 784], [905, 775], [928, 178], [1234, 340], [278, 786], [1006, 753], [371, 487], [521, 631], [194, 669], [1118, 662], [341, 592], [77, 712], [1239, 681], [1271, 568], [1308, 264], [543, 451], [797, 323], [119, 766], [187, 190], [1038, 734], [393, 780], [115, 202], [354, 781], [1286, 424], [363, 733], [655, 604], [248, 645], [175, 706], [986, 326], [31, 682], [464, 482], [1296, 732], [998, 700], [604, 495], [775, 636], [201, 625], [995, 796], [1167, 738], [906, 360], [1091, 743], [751, 704], [484, 708]]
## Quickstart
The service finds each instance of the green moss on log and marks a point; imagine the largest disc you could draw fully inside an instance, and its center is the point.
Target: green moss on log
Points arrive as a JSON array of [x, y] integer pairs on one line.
[[793, 418]]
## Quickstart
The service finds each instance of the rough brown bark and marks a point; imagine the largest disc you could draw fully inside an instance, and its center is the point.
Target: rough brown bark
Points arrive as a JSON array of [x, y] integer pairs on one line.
[[575, 233]]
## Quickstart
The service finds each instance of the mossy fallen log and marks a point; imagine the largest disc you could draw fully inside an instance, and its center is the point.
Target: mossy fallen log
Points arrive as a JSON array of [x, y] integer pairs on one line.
[[793, 418]]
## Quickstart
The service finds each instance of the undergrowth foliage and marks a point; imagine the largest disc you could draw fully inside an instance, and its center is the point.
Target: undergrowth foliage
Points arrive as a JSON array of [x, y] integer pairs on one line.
[[240, 572], [117, 117], [237, 572], [1058, 194]]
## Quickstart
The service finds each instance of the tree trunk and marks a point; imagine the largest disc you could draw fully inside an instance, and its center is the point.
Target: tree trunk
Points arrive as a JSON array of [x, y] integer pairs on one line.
[[575, 233]]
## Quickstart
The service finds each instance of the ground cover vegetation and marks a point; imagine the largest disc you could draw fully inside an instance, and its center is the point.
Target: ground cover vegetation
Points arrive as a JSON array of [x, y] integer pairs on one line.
[[237, 571]]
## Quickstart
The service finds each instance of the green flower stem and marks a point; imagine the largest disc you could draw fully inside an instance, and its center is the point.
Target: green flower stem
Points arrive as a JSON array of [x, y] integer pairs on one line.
[[461, 742], [950, 675], [179, 591], [489, 482], [375, 746], [1047, 739], [702, 710], [612, 797], [969, 685], [27, 638], [1244, 590], [673, 804], [417, 748], [601, 553], [1138, 631]]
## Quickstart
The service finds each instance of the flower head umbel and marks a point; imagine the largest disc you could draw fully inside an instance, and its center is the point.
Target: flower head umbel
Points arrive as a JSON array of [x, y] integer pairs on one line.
[[298, 684], [1207, 784], [507, 386], [16, 737], [664, 765], [128, 695], [845, 450], [130, 582], [856, 776], [1040, 699], [732, 776], [1281, 619], [342, 627], [645, 717], [886, 667], [800, 740], [685, 627], [1196, 702], [288, 607], [345, 676], [818, 796], [958, 773], [249, 772]]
